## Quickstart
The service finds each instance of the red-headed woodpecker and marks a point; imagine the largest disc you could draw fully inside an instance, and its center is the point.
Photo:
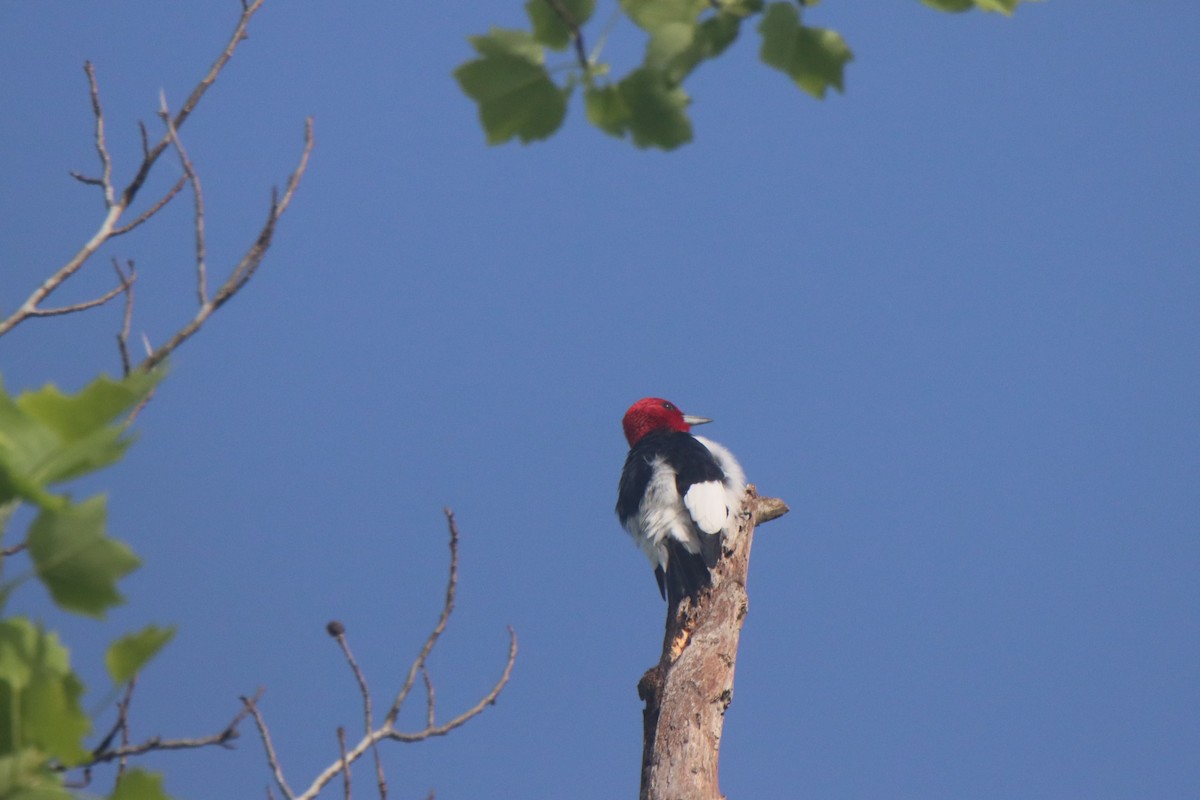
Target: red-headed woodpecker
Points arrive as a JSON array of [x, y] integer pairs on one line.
[[679, 495]]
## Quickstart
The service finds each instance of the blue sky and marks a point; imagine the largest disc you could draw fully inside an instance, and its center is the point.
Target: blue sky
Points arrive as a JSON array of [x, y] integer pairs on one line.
[[950, 317]]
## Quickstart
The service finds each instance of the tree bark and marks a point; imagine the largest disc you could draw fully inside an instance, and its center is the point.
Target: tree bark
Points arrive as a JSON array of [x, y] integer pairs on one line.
[[688, 691]]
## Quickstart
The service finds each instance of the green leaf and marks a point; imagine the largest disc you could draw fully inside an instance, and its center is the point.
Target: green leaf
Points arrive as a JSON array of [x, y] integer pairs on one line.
[[952, 6], [671, 24], [96, 405], [658, 116], [26, 651], [23, 445], [607, 110], [645, 104], [47, 436], [548, 26], [130, 653], [76, 560], [1005, 7], [39, 694], [509, 42], [27, 775], [55, 719], [814, 58], [711, 38], [653, 15], [138, 784], [745, 8], [515, 94]]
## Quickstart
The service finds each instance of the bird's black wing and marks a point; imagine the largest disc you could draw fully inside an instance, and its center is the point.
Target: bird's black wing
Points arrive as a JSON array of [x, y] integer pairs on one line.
[[694, 463], [635, 478]]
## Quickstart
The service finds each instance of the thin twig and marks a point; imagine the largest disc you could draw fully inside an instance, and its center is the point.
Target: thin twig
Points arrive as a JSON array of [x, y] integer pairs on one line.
[[120, 725], [127, 316], [152, 210], [189, 105], [428, 697], [145, 139], [576, 33], [341, 734], [12, 551], [251, 704], [101, 144], [84, 306], [338, 631], [85, 179], [156, 743], [474, 711], [447, 608], [197, 196], [123, 715]]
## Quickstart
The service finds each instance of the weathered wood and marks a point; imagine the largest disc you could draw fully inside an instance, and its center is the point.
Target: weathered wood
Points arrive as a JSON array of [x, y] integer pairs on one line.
[[688, 691]]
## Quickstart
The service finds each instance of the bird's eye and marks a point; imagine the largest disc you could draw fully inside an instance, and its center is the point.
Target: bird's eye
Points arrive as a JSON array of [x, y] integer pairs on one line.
[[668, 407]]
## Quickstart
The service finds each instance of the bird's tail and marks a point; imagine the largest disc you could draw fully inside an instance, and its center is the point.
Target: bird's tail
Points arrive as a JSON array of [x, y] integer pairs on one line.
[[686, 573]]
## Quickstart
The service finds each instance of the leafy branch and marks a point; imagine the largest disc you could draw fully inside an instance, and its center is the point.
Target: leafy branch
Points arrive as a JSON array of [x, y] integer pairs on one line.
[[517, 97]]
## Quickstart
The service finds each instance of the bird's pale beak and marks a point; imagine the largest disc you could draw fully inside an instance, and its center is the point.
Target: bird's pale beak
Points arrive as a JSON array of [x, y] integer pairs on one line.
[[690, 420]]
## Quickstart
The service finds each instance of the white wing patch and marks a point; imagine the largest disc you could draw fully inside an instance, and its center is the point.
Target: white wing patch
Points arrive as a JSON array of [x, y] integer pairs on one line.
[[734, 489], [706, 503]]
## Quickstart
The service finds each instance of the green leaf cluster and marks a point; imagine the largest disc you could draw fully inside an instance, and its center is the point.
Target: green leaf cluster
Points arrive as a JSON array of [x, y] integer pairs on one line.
[[47, 438], [519, 97], [1005, 7]]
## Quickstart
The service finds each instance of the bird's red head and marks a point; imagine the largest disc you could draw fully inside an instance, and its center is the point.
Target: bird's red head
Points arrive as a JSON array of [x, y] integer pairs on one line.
[[655, 414]]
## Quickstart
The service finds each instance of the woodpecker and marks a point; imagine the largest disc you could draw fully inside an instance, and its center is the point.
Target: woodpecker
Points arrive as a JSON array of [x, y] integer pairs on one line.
[[679, 495]]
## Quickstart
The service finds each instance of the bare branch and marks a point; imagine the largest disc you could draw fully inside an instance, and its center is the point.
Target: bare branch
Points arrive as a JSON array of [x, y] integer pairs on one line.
[[116, 205], [769, 508], [477, 709], [105, 753], [251, 705], [246, 266], [387, 729], [197, 196]]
